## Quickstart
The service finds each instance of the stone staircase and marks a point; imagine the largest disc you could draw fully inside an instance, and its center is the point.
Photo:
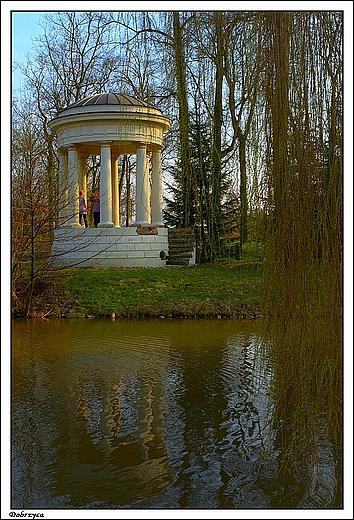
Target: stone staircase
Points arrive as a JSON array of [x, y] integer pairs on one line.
[[181, 244]]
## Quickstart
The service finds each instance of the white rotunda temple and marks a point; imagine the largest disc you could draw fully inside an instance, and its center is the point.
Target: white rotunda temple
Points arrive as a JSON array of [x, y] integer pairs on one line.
[[110, 125]]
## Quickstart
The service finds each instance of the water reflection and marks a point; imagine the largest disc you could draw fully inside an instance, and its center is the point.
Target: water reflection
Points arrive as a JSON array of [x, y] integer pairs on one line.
[[145, 414]]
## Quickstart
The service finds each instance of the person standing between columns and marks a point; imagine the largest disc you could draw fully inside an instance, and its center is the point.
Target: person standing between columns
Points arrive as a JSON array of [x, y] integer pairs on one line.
[[96, 208], [82, 209]]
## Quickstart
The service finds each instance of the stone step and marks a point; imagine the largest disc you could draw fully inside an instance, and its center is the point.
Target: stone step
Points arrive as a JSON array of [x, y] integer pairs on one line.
[[181, 247], [183, 254], [177, 262], [181, 242]]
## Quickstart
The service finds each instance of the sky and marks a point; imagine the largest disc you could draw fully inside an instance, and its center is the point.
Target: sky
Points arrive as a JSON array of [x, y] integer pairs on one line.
[[25, 27]]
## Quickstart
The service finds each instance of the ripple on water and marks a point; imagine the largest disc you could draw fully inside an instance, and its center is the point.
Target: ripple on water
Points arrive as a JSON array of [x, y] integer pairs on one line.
[[136, 414]]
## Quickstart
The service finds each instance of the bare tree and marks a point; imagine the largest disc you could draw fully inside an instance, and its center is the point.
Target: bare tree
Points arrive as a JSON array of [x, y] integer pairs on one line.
[[73, 58], [231, 43], [31, 214]]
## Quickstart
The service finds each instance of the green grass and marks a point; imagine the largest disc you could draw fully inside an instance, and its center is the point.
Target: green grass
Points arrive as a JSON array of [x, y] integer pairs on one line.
[[225, 289]]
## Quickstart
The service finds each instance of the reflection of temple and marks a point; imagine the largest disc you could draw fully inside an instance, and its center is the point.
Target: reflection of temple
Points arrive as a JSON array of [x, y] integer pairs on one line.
[[121, 428], [109, 126], [89, 406]]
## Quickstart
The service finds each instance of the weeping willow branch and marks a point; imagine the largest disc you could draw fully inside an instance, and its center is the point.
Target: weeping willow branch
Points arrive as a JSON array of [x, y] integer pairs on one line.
[[303, 293]]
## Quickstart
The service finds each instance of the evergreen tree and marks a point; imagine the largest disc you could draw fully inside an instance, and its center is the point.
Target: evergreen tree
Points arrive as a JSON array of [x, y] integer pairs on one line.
[[202, 215]]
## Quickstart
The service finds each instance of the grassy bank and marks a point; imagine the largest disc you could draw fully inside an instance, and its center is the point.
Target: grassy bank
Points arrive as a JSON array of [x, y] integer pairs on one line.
[[209, 291]]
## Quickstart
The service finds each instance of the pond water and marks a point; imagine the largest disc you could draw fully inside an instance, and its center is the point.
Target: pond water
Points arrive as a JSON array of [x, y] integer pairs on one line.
[[150, 414]]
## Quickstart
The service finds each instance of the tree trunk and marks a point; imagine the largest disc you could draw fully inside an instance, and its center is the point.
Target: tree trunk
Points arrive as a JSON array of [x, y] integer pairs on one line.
[[186, 166], [243, 191], [215, 230]]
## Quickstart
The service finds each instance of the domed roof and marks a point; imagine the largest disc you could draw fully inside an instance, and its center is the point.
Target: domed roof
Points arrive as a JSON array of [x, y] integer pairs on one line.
[[107, 99], [118, 118]]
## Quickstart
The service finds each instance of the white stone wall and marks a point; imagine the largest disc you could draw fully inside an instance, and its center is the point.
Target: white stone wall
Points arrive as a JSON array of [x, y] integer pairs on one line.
[[109, 247]]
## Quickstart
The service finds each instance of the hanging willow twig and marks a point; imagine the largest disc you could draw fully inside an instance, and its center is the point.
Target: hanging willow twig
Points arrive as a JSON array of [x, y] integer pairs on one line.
[[303, 294]]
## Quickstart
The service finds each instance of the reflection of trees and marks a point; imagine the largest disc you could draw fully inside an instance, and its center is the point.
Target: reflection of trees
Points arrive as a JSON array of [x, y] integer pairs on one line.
[[305, 434], [215, 434], [197, 426], [33, 427]]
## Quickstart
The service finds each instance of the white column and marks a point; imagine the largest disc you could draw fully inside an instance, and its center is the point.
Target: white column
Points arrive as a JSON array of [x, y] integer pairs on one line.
[[156, 190], [73, 187], [63, 189], [147, 187], [83, 175], [115, 193], [106, 187], [142, 188]]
